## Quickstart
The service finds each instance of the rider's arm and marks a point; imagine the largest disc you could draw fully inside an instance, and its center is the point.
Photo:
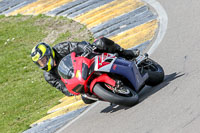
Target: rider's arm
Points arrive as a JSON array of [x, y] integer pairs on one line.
[[56, 82], [65, 48]]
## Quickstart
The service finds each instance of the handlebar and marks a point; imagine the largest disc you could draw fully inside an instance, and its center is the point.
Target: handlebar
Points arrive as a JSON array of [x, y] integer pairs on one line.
[[86, 53]]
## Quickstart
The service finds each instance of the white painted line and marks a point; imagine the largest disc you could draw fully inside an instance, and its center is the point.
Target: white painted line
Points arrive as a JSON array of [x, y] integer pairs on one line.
[[163, 19], [82, 114]]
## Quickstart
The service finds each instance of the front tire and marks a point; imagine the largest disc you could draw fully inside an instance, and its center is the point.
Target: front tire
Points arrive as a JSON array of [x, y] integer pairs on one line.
[[105, 94]]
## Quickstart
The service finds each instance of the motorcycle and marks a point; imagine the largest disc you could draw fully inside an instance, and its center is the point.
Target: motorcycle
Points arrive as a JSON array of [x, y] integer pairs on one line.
[[107, 77]]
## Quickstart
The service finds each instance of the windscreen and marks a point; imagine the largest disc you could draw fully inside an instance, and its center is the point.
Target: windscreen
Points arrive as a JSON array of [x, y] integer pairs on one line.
[[65, 68]]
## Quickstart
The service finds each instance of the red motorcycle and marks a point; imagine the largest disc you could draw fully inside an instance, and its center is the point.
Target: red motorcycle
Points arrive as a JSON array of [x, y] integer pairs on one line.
[[107, 77]]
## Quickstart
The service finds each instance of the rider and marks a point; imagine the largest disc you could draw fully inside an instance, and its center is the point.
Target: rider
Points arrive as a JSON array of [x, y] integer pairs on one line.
[[48, 58]]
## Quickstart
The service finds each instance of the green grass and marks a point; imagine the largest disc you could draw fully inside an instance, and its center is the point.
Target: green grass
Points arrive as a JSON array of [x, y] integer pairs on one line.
[[25, 95], [63, 36]]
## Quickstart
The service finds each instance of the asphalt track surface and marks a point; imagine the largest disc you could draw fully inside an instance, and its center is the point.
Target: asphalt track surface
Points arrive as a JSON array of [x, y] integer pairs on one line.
[[171, 107]]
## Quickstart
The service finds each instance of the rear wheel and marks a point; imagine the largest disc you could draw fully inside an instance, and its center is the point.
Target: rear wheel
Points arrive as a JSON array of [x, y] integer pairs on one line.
[[154, 70], [125, 96]]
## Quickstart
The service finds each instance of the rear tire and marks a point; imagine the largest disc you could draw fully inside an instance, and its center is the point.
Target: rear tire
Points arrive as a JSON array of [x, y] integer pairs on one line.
[[155, 72], [105, 94]]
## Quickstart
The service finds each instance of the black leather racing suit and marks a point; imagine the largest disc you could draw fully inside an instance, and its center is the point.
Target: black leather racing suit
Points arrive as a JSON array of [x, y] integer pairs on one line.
[[64, 48], [61, 50]]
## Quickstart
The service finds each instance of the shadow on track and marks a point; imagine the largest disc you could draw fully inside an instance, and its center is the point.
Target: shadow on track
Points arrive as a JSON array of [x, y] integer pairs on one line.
[[145, 92], [148, 91], [114, 108]]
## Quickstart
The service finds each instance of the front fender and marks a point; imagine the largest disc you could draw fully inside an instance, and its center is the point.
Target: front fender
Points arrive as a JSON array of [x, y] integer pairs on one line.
[[103, 78]]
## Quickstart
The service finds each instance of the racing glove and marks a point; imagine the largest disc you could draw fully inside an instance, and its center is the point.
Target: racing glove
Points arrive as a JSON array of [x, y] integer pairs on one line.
[[88, 48]]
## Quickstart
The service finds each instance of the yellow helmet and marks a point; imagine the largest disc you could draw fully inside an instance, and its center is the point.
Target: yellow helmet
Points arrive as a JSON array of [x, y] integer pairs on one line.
[[43, 55]]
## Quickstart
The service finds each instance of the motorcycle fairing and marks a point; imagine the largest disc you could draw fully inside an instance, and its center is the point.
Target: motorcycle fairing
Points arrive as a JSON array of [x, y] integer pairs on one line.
[[129, 70], [104, 62], [102, 78], [75, 83]]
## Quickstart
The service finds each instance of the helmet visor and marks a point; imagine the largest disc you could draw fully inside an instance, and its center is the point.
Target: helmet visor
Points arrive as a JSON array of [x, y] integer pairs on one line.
[[43, 61]]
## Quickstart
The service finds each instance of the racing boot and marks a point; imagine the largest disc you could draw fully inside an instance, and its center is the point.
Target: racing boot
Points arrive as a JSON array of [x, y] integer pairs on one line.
[[130, 54], [126, 53]]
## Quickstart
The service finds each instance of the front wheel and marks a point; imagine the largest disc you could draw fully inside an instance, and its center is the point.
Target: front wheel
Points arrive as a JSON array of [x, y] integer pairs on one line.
[[127, 97]]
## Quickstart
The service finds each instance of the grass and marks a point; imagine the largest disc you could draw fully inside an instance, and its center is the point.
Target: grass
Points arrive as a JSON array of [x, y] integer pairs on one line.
[[63, 36], [25, 95]]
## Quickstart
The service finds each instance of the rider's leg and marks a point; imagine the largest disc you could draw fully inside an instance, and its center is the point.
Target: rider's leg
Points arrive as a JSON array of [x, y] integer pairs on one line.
[[106, 45]]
